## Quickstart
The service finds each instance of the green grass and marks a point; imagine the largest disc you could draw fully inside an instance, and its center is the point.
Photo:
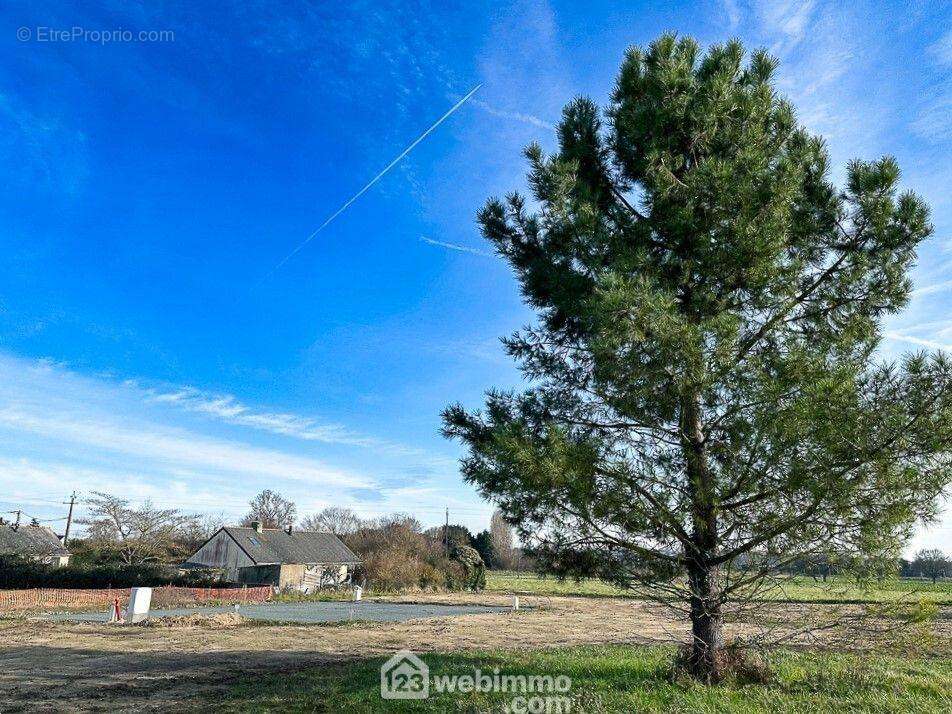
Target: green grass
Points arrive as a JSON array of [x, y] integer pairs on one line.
[[620, 679], [328, 595], [504, 581], [793, 589], [844, 590]]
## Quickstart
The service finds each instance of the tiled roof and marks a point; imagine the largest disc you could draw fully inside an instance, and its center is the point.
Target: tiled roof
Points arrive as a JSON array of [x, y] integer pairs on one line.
[[30, 540], [273, 545]]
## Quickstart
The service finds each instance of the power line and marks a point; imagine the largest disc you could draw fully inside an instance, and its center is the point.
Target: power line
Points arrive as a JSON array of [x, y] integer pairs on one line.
[[43, 501], [36, 518]]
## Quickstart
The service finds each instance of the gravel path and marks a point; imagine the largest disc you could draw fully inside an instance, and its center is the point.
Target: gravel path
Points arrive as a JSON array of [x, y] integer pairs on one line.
[[310, 612]]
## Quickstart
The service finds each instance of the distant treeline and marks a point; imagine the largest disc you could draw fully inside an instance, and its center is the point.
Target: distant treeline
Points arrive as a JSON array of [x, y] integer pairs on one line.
[[932, 564], [17, 573]]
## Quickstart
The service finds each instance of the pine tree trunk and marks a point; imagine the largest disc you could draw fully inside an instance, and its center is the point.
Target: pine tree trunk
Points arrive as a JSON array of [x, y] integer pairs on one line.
[[705, 660], [707, 624]]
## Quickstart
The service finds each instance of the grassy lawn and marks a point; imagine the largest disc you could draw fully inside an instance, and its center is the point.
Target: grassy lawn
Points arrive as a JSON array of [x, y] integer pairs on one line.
[[621, 679], [505, 581], [793, 589]]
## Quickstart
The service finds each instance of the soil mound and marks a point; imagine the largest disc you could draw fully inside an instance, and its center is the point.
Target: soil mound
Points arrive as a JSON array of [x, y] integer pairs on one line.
[[218, 621]]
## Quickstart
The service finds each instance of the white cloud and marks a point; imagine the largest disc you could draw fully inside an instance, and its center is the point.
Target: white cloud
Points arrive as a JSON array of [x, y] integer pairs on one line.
[[933, 288], [151, 442], [939, 328], [36, 484], [828, 72], [51, 413], [941, 49], [732, 10], [931, 344], [788, 18], [196, 451], [523, 60], [934, 120], [530, 119], [227, 409]]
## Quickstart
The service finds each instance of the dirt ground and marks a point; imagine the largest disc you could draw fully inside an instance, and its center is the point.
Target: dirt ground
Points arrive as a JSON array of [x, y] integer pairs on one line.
[[57, 666]]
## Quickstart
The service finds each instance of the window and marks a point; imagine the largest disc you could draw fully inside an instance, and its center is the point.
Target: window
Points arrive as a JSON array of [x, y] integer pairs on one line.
[[254, 541]]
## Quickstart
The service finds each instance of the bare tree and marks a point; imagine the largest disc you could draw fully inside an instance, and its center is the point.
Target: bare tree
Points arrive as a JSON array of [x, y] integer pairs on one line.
[[136, 535], [932, 563], [339, 521], [501, 534], [271, 509], [199, 530], [398, 520]]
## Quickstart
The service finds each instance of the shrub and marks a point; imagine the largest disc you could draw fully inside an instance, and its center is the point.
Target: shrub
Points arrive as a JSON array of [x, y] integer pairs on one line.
[[392, 569], [395, 555]]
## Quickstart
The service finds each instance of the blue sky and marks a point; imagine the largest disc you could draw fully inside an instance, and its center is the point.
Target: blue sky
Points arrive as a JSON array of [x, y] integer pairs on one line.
[[151, 187]]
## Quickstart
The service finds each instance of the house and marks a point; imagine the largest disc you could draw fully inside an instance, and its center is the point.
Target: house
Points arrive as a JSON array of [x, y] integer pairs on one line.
[[34, 542], [286, 558]]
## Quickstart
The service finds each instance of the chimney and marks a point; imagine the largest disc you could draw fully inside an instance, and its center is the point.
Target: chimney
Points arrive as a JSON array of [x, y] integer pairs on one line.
[[257, 526]]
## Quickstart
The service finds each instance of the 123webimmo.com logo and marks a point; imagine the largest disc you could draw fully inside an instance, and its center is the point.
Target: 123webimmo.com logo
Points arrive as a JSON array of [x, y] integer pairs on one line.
[[406, 676]]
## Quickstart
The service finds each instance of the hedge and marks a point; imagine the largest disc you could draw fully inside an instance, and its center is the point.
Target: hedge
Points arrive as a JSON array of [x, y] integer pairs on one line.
[[19, 573]]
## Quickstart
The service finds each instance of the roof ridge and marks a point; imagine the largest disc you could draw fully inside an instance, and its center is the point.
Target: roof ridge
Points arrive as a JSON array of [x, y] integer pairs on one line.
[[276, 545], [283, 530]]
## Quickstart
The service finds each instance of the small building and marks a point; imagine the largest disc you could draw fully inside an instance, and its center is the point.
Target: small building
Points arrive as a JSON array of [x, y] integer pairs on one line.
[[34, 542], [285, 558]]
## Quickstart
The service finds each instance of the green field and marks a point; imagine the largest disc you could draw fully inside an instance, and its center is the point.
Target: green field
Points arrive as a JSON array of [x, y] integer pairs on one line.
[[792, 589], [621, 679]]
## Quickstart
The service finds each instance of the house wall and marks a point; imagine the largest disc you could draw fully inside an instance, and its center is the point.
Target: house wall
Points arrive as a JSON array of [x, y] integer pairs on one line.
[[335, 574], [325, 575], [259, 574], [294, 576], [285, 576], [291, 576], [222, 552]]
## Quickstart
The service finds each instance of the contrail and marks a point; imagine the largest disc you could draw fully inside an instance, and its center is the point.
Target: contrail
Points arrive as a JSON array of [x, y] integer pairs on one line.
[[455, 246], [374, 180]]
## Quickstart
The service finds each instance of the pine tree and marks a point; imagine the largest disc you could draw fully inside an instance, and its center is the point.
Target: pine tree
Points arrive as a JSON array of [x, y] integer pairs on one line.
[[483, 544], [706, 403]]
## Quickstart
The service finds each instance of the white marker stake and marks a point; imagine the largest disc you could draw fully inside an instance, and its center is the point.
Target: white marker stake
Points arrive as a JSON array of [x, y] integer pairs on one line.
[[515, 602], [140, 600]]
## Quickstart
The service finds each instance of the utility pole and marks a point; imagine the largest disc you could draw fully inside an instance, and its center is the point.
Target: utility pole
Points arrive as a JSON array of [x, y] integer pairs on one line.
[[69, 517], [446, 533], [17, 524]]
